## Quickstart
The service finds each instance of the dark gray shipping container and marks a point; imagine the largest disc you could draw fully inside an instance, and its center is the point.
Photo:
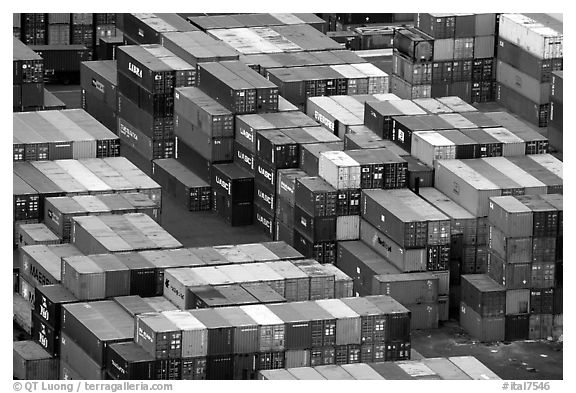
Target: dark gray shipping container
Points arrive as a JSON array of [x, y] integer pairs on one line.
[[148, 28], [515, 56], [485, 296], [322, 324], [213, 149], [97, 325], [203, 113], [48, 301], [190, 190], [314, 196], [220, 332], [197, 47], [298, 328], [129, 361], [31, 362], [226, 87]]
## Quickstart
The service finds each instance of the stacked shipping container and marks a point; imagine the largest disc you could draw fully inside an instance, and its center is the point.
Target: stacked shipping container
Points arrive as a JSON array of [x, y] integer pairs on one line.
[[27, 78], [555, 117], [446, 54], [525, 258], [529, 50]]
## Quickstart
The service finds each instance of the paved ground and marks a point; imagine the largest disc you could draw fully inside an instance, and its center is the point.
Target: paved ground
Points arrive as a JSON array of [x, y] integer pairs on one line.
[[520, 360], [69, 94], [195, 229]]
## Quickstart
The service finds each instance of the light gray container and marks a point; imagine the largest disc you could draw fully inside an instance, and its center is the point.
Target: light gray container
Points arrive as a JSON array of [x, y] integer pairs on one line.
[[523, 84], [444, 49], [484, 47]]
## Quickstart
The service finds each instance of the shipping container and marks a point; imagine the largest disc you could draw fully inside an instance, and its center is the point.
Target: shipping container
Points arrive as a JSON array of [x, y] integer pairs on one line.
[[408, 288], [96, 325], [530, 111], [231, 180], [544, 41], [511, 249], [483, 295], [310, 155], [41, 264], [129, 361], [189, 189], [407, 260], [540, 326], [31, 361], [414, 43], [517, 327], [485, 329]]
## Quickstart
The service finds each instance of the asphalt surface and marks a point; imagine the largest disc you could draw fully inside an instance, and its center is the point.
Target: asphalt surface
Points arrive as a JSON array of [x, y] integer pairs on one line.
[[518, 360], [69, 94]]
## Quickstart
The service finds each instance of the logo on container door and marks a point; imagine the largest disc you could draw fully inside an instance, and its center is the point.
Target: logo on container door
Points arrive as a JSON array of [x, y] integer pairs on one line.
[[98, 85], [135, 70], [265, 197], [247, 135], [245, 158], [267, 223], [265, 173], [223, 184]]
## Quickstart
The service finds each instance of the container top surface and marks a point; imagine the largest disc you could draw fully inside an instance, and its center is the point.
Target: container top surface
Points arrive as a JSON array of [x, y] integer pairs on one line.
[[131, 352], [510, 204], [211, 319], [483, 282], [434, 138], [38, 232], [312, 311], [503, 135], [21, 51], [432, 105], [157, 322], [104, 68], [362, 306], [30, 350], [305, 373], [263, 292], [315, 183], [180, 172], [287, 270], [160, 303], [105, 319], [287, 312], [406, 205], [56, 293], [445, 204], [234, 171], [467, 174], [236, 316], [337, 308], [184, 320]]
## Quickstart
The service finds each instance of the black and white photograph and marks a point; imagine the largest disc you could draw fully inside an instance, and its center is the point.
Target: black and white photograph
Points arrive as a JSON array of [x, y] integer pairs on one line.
[[287, 196]]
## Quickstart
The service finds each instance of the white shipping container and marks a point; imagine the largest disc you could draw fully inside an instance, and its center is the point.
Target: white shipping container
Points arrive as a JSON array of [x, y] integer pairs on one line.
[[84, 176], [176, 282], [535, 38], [444, 49], [347, 228], [511, 144], [429, 146], [194, 333], [378, 80], [357, 80], [339, 170]]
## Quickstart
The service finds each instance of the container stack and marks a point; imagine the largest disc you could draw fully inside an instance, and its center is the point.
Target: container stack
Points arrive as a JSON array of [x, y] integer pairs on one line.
[[88, 329], [28, 78], [412, 64], [204, 130], [107, 46], [33, 29], [471, 183], [446, 55], [99, 94], [185, 186], [205, 22], [529, 50], [525, 258], [58, 29], [458, 367], [61, 135], [33, 362], [414, 237], [556, 112], [59, 211], [82, 32], [104, 28], [17, 25], [483, 308], [140, 29], [47, 316], [238, 342], [147, 77]]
